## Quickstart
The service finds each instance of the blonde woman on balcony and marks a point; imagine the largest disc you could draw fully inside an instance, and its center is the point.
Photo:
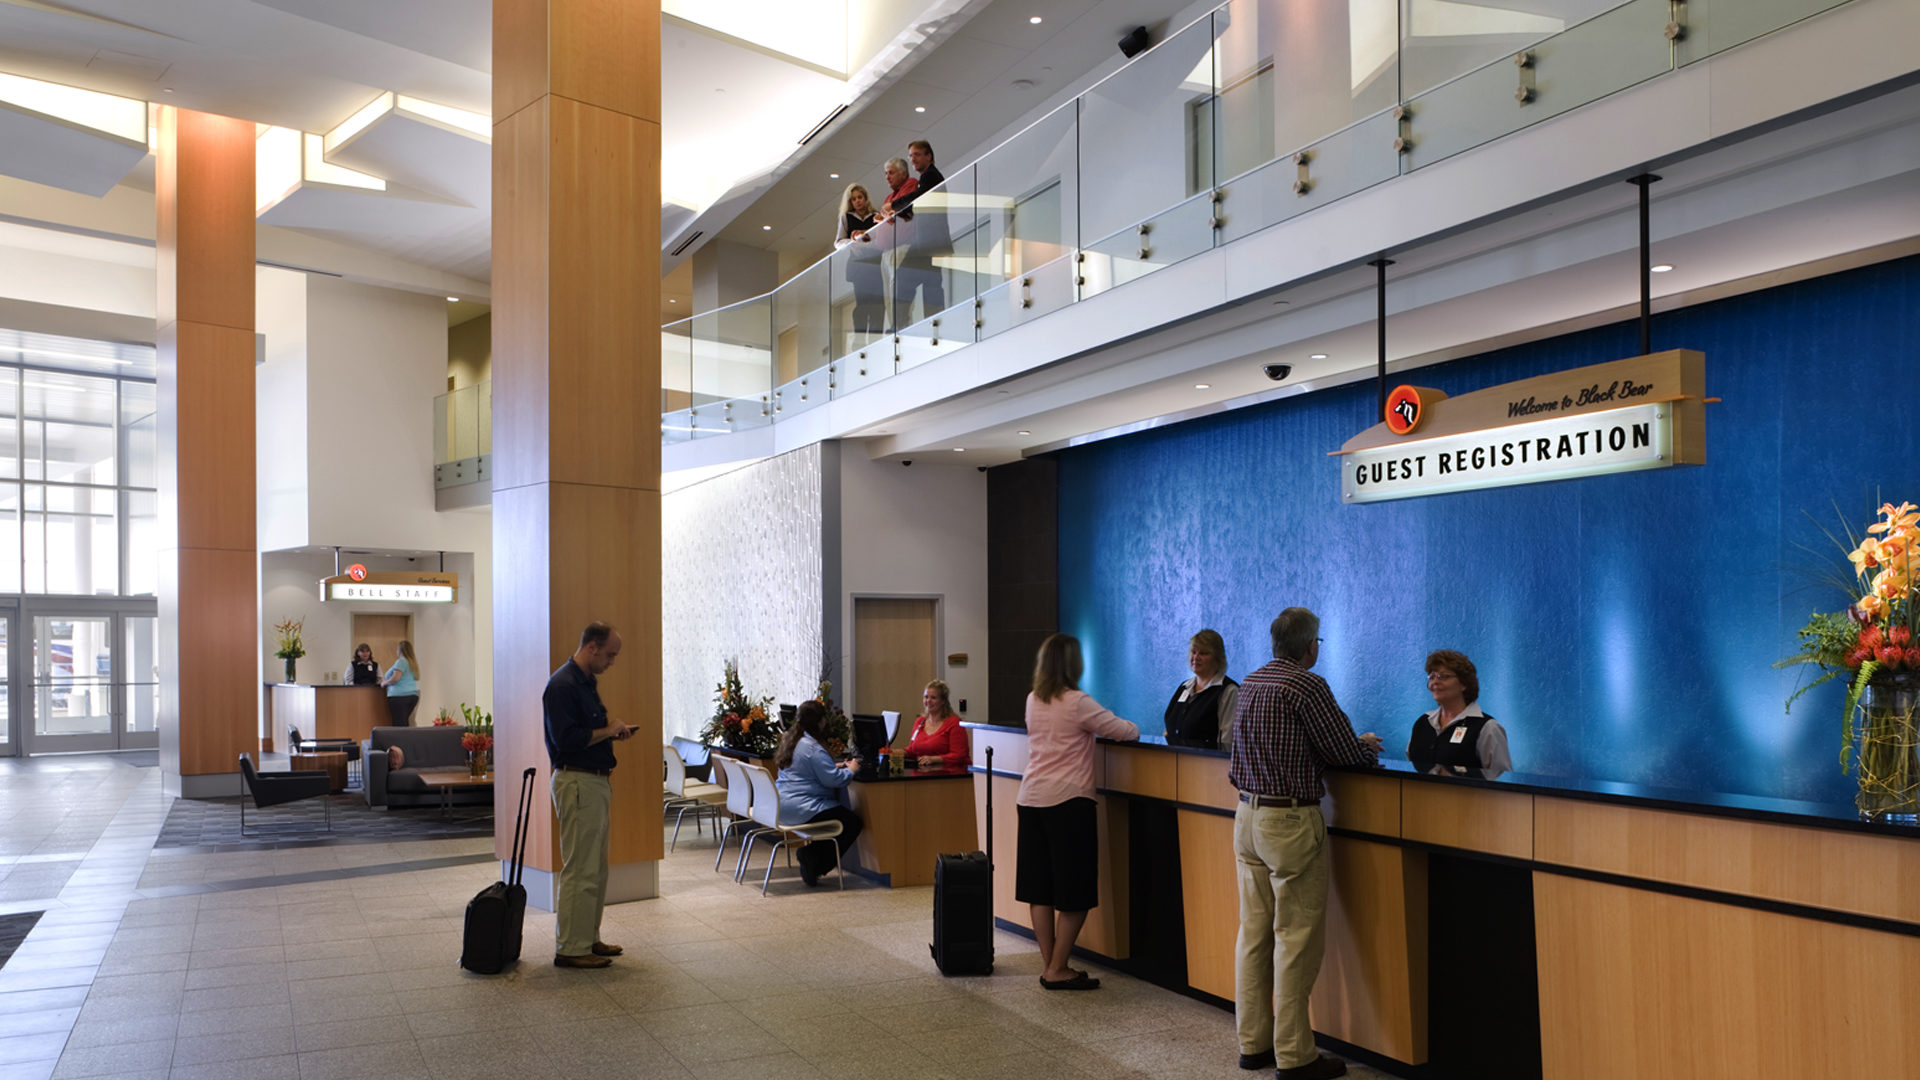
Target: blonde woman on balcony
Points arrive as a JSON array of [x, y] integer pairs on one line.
[[857, 219]]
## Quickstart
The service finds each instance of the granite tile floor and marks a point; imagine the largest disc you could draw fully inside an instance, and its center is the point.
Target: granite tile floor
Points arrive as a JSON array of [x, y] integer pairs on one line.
[[328, 962]]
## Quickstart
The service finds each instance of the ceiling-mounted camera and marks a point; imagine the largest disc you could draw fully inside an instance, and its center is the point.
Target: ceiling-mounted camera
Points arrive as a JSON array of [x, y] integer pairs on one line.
[[1277, 372], [906, 461]]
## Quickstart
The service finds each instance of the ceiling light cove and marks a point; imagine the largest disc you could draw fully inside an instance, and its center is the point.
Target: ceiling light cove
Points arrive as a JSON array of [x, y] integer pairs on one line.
[[118, 116], [814, 33]]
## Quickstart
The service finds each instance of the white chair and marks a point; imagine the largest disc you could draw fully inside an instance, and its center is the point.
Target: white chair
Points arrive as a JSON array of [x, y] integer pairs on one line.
[[766, 811], [688, 797], [738, 808]]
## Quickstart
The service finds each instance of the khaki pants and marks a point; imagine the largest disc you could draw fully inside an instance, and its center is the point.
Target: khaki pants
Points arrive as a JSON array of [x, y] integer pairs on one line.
[[1282, 855], [584, 804]]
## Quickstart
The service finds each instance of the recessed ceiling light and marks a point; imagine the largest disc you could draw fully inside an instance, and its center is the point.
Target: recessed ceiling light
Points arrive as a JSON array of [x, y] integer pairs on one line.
[[1661, 269], [833, 176], [1318, 356], [1035, 20], [453, 299], [166, 89], [959, 449], [919, 108], [1024, 431], [766, 228], [1203, 386], [671, 300]]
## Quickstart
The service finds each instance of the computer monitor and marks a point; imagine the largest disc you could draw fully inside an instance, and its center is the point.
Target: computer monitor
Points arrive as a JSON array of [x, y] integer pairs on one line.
[[869, 735]]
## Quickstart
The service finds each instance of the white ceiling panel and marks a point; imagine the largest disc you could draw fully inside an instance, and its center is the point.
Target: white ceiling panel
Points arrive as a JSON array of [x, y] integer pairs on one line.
[[48, 151], [425, 155]]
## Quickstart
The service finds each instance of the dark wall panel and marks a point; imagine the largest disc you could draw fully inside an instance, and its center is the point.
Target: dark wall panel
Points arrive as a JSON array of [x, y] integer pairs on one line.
[[1023, 579]]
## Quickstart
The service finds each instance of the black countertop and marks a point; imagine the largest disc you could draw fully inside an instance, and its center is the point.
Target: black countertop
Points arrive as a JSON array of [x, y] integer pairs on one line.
[[874, 777], [1841, 816]]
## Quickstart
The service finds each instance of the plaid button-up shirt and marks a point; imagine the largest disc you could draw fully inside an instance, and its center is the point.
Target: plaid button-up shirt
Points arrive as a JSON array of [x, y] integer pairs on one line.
[[1288, 730]]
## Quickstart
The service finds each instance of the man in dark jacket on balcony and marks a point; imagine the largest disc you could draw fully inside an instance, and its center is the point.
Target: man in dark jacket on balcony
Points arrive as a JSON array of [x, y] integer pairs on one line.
[[930, 237]]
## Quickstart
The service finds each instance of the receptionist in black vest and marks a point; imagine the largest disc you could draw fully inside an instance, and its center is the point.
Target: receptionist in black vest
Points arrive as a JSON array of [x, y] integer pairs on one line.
[[1201, 712], [1457, 735], [365, 670]]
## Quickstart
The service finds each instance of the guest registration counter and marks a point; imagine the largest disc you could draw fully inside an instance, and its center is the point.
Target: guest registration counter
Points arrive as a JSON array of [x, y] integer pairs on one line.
[[1626, 931], [324, 712], [908, 819]]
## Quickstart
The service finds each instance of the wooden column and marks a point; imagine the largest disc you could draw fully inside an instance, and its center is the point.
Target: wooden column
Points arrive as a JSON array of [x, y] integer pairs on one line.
[[209, 595], [576, 390]]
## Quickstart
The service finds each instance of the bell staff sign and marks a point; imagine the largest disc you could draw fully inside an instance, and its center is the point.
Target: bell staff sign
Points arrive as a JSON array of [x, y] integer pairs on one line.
[[392, 586], [1641, 413]]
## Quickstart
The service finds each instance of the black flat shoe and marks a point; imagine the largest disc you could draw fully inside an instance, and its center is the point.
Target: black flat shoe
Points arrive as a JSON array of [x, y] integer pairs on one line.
[[1261, 1060], [1078, 982], [1325, 1067]]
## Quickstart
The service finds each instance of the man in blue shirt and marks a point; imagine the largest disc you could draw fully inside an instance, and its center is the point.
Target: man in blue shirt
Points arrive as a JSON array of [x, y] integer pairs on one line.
[[580, 748]]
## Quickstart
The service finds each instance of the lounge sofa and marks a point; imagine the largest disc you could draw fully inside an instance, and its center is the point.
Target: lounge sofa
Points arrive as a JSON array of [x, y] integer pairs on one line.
[[429, 748]]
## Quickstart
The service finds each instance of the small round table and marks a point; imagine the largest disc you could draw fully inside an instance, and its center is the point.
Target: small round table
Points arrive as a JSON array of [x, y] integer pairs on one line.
[[332, 762]]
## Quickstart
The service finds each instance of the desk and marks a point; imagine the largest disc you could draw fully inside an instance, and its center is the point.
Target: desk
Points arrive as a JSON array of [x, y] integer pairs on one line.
[[910, 819], [324, 712], [1676, 933]]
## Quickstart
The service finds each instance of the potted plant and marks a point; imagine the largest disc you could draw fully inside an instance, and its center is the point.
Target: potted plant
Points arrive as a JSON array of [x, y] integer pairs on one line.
[[291, 648], [1875, 644]]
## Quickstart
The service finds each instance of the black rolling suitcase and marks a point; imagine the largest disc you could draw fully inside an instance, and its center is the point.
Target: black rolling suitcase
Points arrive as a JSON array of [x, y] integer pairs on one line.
[[497, 913], [963, 904]]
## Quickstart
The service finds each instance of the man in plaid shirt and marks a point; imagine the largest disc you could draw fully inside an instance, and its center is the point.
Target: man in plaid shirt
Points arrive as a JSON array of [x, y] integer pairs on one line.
[[1287, 731]]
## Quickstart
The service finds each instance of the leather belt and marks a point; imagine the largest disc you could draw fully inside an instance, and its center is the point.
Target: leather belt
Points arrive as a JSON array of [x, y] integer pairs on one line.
[[584, 769], [1261, 801]]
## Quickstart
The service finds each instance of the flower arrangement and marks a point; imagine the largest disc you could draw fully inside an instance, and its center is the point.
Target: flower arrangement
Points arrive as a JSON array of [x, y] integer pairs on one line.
[[444, 718], [739, 722], [1875, 644], [478, 740], [291, 647]]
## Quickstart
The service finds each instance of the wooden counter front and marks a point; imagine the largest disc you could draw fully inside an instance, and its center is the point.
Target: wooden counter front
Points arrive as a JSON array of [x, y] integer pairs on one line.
[[1703, 940], [325, 712], [909, 822]]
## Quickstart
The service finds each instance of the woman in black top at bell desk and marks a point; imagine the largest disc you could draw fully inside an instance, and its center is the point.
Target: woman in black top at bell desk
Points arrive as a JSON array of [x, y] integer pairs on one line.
[[1457, 736], [1201, 711]]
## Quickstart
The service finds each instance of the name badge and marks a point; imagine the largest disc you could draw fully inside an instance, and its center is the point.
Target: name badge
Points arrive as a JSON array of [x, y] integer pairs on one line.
[[1459, 735], [1185, 692]]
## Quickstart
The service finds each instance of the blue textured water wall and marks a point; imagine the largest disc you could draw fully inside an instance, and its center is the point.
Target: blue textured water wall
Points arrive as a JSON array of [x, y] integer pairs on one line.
[[1623, 626]]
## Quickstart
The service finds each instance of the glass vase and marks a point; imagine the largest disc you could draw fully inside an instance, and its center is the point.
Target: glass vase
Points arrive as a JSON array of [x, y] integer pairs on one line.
[[477, 763], [289, 661], [1890, 749]]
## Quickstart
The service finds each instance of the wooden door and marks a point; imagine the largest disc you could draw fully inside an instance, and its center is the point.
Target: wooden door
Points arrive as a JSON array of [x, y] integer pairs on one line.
[[893, 656], [384, 631]]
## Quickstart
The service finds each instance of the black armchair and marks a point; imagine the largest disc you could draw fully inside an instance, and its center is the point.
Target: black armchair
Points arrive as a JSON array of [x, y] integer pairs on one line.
[[272, 789], [300, 744]]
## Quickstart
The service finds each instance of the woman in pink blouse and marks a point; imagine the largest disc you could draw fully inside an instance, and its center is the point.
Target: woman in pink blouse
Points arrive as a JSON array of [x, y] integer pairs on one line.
[[1058, 870], [939, 742]]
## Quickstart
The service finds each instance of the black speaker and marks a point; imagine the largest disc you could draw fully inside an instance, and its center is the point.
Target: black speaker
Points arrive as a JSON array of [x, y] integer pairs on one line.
[[1135, 42]]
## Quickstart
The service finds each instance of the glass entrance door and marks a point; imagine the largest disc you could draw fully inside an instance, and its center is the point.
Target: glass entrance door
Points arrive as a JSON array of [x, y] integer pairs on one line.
[[9, 737], [95, 683]]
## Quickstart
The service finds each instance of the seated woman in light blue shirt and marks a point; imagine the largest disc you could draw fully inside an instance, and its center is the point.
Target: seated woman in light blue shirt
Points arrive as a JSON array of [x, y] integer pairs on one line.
[[402, 681], [811, 787]]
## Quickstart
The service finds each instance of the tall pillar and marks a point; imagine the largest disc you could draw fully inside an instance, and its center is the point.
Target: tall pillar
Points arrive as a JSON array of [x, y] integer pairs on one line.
[[209, 594], [576, 392]]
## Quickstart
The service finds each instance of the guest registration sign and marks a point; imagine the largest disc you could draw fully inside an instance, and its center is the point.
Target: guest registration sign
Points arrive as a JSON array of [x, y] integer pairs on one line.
[[1642, 413], [392, 586]]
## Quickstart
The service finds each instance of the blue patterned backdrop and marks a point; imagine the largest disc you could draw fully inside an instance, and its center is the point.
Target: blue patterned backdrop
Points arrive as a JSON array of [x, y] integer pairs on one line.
[[1623, 626]]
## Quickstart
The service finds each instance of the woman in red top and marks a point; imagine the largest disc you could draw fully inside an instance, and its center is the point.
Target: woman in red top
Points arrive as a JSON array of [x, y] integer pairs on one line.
[[938, 739]]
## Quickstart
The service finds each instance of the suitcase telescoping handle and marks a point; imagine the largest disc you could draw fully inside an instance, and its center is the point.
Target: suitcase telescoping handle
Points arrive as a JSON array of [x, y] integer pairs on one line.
[[521, 826], [989, 809]]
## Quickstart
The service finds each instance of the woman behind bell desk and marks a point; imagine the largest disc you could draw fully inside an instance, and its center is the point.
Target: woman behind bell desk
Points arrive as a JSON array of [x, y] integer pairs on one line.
[[1201, 712], [857, 219], [1057, 871], [811, 785], [403, 686], [1457, 735], [364, 670], [938, 739]]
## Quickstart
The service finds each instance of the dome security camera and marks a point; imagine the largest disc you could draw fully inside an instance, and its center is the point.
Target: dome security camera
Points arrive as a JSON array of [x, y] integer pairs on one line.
[[906, 461], [1277, 372]]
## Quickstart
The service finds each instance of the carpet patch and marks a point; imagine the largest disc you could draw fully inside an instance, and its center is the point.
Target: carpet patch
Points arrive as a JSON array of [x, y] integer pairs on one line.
[[214, 824]]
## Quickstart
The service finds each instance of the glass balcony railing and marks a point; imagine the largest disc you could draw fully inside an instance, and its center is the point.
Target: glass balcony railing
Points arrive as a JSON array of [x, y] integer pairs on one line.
[[463, 435], [1256, 113]]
